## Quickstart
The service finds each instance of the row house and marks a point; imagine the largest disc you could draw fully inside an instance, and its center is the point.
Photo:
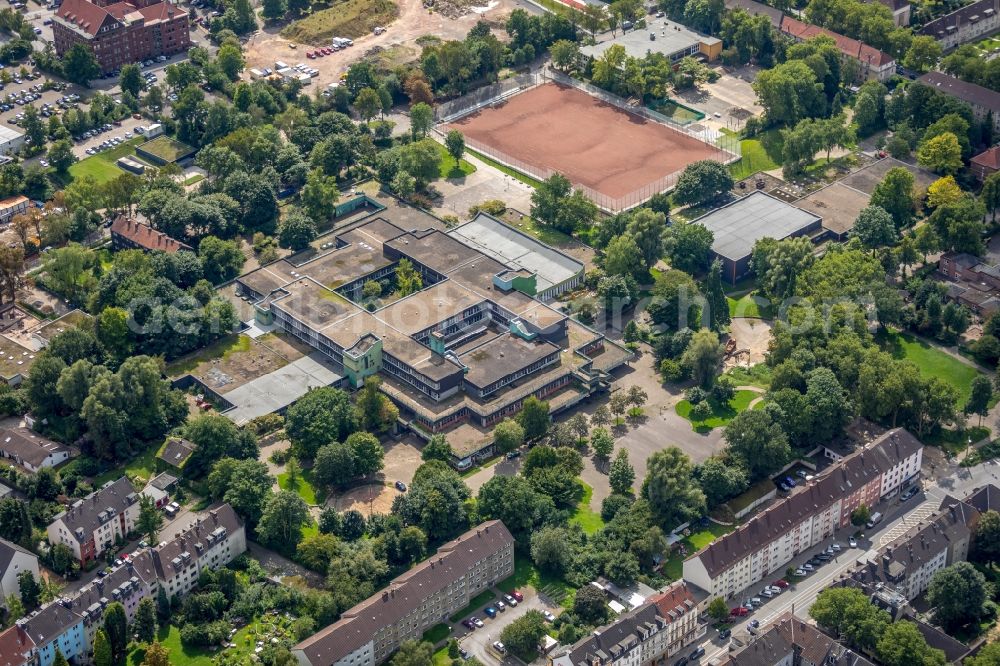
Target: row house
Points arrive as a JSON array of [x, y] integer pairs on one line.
[[93, 524], [659, 628], [809, 515], [425, 595], [874, 64], [964, 25], [985, 103], [791, 641]]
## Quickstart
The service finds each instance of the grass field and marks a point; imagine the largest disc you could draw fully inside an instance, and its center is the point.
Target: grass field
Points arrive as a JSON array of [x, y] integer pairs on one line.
[[673, 567], [749, 306], [102, 165], [761, 153], [436, 634], [721, 414], [451, 169], [526, 573], [588, 519], [931, 361], [352, 18], [304, 487], [170, 638], [513, 173], [755, 375]]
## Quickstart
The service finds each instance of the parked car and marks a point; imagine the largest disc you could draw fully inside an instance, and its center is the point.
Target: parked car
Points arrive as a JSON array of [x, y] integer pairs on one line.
[[499, 647], [739, 611], [824, 557], [725, 633], [836, 547], [698, 653], [766, 593], [913, 490], [513, 454], [781, 582], [400, 486], [517, 595], [681, 662], [805, 475], [790, 482], [463, 653], [549, 617], [469, 624], [808, 567], [490, 612], [801, 572], [852, 542], [783, 487], [476, 621], [500, 606]]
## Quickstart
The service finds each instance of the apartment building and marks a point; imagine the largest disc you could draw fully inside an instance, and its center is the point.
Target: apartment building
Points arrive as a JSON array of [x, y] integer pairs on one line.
[[210, 542], [874, 64], [966, 24], [54, 627], [13, 561], [119, 33], [30, 450], [659, 628], [807, 516], [415, 601], [129, 234], [93, 524], [791, 641], [11, 206], [985, 103], [127, 584]]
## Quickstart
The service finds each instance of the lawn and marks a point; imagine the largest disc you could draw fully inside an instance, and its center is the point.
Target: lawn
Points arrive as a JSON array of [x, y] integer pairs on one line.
[[931, 361], [761, 153], [170, 638], [527, 574], [513, 173], [756, 375], [217, 350], [451, 169], [677, 112], [750, 306], [480, 599], [721, 414], [142, 466], [102, 165], [588, 519], [437, 633], [304, 487], [673, 567], [352, 18], [441, 658]]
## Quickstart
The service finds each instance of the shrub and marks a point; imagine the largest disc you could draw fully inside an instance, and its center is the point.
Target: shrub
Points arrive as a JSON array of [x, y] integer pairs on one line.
[[695, 394]]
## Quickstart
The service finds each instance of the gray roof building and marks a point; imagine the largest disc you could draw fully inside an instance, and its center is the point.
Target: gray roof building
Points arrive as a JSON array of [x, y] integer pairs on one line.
[[100, 506], [176, 451], [31, 451], [790, 639], [670, 38]]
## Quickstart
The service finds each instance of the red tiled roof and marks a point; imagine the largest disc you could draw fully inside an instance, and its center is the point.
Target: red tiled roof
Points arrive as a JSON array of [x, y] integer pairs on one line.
[[14, 643], [989, 158], [146, 236], [849, 47], [85, 15], [676, 596]]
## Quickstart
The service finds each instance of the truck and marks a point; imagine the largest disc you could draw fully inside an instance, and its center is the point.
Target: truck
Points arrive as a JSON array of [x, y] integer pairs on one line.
[[342, 42], [875, 519], [278, 65]]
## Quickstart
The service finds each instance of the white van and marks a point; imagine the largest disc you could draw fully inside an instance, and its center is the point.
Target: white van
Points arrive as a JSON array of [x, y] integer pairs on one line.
[[875, 520]]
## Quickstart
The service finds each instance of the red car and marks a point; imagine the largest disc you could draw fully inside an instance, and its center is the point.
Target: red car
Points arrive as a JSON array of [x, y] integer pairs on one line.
[[517, 595], [327, 51], [781, 582], [739, 611], [311, 55]]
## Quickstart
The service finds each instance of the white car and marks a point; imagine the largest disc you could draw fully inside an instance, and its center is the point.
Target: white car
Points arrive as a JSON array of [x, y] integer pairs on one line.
[[852, 542], [549, 617], [801, 572]]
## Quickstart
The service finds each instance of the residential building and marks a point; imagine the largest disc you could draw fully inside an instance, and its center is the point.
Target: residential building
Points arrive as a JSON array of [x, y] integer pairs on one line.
[[15, 647], [175, 452], [965, 24], [985, 163], [791, 641], [53, 627], [120, 33], [210, 542], [901, 11], [13, 561], [415, 601], [129, 234], [93, 524], [127, 584], [755, 8], [875, 64], [971, 281], [985, 103], [12, 206], [30, 450], [659, 628], [810, 514], [159, 487], [11, 140]]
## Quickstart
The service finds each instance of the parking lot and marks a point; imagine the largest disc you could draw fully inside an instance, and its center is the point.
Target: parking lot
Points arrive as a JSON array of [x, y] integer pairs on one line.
[[479, 642]]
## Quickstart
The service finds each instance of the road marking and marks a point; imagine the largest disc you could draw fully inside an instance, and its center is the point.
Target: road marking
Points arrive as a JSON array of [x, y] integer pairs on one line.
[[907, 523]]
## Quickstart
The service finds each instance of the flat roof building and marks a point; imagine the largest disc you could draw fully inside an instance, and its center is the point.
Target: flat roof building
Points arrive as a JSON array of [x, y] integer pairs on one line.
[[738, 225], [11, 140], [838, 205], [12, 206], [661, 35]]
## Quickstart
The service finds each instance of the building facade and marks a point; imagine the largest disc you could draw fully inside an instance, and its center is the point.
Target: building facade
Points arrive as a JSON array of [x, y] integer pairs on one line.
[[874, 64], [985, 103], [660, 628], [965, 24], [812, 513], [415, 601], [14, 560], [92, 525], [12, 206], [121, 33], [31, 451]]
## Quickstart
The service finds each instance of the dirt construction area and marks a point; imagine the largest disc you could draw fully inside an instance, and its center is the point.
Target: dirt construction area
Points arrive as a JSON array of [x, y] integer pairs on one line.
[[593, 143], [398, 41], [401, 460]]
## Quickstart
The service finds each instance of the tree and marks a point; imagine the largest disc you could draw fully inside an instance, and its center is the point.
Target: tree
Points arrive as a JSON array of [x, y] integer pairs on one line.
[[778, 264], [230, 61], [790, 92], [986, 539], [923, 54], [221, 259], [621, 476], [895, 194], [522, 635], [59, 659], [15, 523], [875, 228], [116, 628], [144, 624], [688, 247], [534, 417], [156, 655], [703, 356], [718, 609], [455, 143], [602, 442], [281, 524], [273, 9], [828, 405], [943, 191], [549, 551], [721, 480], [623, 258], [404, 185], [508, 435], [556, 204], [437, 448], [990, 195], [29, 590], [847, 612], [646, 227], [150, 519], [902, 644], [989, 655], [715, 295], [435, 501], [334, 465], [861, 515], [296, 231], [80, 66], [102, 649], [759, 441], [673, 495], [319, 194], [565, 53], [130, 79], [321, 416], [368, 452], [367, 104], [979, 397], [413, 653], [941, 153], [590, 605], [421, 119], [408, 280], [61, 155], [957, 594], [216, 437], [702, 182]]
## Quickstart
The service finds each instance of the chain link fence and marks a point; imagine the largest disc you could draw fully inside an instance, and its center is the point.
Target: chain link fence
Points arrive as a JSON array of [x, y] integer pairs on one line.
[[447, 112]]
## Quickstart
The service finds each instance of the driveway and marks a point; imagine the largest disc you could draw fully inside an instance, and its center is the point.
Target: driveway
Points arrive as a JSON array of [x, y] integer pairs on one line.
[[479, 642]]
